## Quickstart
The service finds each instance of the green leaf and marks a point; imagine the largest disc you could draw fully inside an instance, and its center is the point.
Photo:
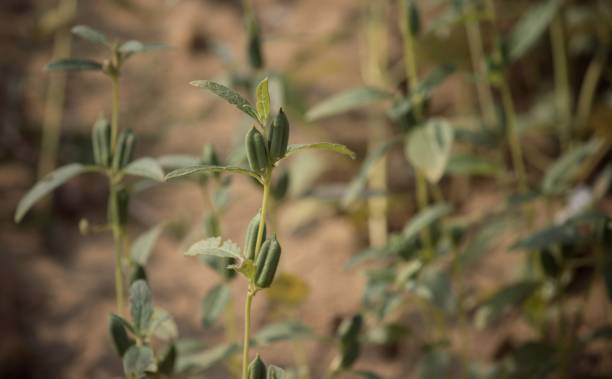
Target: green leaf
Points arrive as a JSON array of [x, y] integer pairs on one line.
[[138, 360], [546, 237], [428, 148], [435, 364], [534, 359], [90, 34], [174, 161], [214, 303], [531, 27], [47, 184], [74, 64], [119, 336], [275, 372], [564, 170], [163, 325], [205, 169], [215, 246], [425, 218], [471, 165], [346, 101], [141, 306], [168, 361], [281, 331], [229, 95], [144, 244], [483, 241], [361, 179], [201, 361], [327, 146], [502, 301], [132, 47], [145, 167], [263, 101]]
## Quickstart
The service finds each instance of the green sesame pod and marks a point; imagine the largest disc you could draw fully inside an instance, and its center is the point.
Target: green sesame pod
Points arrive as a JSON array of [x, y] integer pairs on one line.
[[267, 262], [101, 134], [124, 149], [349, 355], [118, 206], [279, 137], [257, 369], [256, 60], [257, 153], [250, 240], [138, 273], [119, 336]]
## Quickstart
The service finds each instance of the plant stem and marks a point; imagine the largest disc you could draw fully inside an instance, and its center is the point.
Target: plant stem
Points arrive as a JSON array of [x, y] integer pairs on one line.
[[115, 113], [589, 85], [251, 290], [562, 86], [516, 151], [117, 230]]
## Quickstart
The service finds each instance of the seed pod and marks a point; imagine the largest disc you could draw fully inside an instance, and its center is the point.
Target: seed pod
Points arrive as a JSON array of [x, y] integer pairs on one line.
[[138, 273], [118, 206], [349, 330], [250, 240], [279, 137], [256, 60], [124, 149], [100, 139], [119, 336], [256, 150], [257, 369], [349, 355], [267, 262]]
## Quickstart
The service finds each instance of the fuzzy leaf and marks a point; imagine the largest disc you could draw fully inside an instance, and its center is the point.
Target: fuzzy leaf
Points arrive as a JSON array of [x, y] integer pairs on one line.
[[531, 27], [48, 184], [145, 167], [428, 148], [141, 306], [214, 303], [131, 47], [333, 147], [262, 95], [275, 372], [74, 64], [90, 34], [205, 169], [145, 243], [346, 101], [201, 361], [215, 246], [138, 360], [228, 95]]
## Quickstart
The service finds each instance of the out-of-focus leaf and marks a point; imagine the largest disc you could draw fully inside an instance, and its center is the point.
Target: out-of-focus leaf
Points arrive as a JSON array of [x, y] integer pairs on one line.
[[197, 362], [228, 95], [365, 374], [435, 287], [141, 306], [281, 331], [175, 161], [138, 360], [145, 243], [471, 165], [119, 336], [215, 246], [145, 167], [559, 176], [205, 169], [163, 325], [74, 64], [346, 101], [214, 303], [326, 146], [533, 360], [47, 184], [262, 95], [90, 34], [168, 361], [502, 301], [132, 47], [425, 218], [435, 364], [531, 27], [488, 232], [428, 148], [360, 180]]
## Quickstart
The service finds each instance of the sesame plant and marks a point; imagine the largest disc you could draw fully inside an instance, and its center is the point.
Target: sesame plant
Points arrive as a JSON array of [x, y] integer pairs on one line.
[[266, 145], [113, 157]]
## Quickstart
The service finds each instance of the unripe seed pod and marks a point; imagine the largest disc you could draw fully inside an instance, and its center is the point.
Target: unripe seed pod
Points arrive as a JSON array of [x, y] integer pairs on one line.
[[256, 59], [350, 353], [250, 240], [257, 369], [100, 138], [267, 262], [118, 206], [124, 149], [279, 137], [138, 273], [257, 152]]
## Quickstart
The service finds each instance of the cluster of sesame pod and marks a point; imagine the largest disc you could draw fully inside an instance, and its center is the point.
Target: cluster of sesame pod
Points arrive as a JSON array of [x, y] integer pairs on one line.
[[261, 154], [279, 137], [267, 262], [250, 240], [257, 151], [258, 370]]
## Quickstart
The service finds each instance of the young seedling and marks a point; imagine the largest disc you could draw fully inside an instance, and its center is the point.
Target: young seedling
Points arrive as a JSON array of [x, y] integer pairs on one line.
[[266, 144]]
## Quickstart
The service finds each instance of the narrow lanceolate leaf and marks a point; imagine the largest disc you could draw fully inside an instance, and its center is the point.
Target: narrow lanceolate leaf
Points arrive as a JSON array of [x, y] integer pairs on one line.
[[471, 165], [531, 27], [346, 101], [74, 64], [327, 146], [145, 167], [215, 246], [131, 47], [48, 184], [174, 161], [145, 243], [203, 360], [205, 169], [90, 34], [359, 182], [262, 94], [228, 95], [281, 331], [138, 360], [425, 218], [119, 336], [214, 303], [141, 306], [429, 147], [559, 176], [506, 299]]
